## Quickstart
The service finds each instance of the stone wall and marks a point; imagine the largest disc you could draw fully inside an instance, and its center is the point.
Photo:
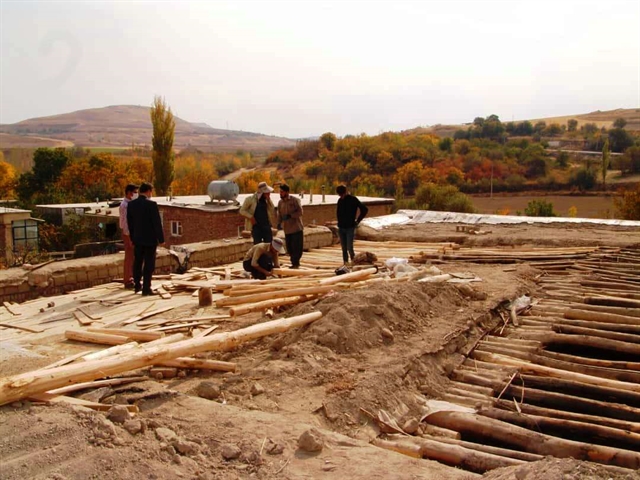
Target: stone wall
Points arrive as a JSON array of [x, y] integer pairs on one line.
[[21, 284]]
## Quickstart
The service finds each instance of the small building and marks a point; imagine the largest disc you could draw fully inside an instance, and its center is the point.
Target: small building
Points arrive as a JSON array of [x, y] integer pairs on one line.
[[18, 234], [193, 219]]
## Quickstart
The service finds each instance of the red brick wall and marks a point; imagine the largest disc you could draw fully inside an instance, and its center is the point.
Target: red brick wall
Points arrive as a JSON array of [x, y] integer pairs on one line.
[[202, 225], [199, 225]]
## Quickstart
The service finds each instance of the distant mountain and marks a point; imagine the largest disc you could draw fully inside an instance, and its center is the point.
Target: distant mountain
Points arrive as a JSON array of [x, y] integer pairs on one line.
[[124, 125], [600, 118]]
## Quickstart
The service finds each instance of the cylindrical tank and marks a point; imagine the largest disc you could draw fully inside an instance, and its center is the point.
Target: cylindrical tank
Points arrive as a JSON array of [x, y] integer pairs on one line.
[[223, 190]]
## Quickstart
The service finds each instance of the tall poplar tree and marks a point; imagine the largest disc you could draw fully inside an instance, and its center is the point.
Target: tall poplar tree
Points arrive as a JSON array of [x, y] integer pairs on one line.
[[605, 162], [164, 126]]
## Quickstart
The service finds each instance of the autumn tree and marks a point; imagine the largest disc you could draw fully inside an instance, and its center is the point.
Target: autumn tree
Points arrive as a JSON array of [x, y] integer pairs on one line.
[[164, 126], [627, 203], [572, 125], [7, 178], [328, 141]]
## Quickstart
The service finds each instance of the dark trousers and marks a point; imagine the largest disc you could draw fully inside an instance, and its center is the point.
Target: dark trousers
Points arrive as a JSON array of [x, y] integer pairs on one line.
[[346, 241], [295, 243], [261, 234], [144, 263], [265, 261]]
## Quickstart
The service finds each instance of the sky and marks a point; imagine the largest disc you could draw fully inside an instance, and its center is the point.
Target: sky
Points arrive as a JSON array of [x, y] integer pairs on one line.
[[302, 68]]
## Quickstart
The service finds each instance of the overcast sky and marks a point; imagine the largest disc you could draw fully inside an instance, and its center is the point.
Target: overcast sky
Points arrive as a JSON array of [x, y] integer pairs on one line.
[[301, 68]]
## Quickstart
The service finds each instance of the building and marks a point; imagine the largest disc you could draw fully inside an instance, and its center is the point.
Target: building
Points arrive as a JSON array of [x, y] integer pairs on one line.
[[18, 234], [193, 219]]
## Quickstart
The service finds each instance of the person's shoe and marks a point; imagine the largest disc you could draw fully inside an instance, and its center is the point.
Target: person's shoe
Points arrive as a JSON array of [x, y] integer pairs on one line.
[[295, 267], [129, 286], [146, 293]]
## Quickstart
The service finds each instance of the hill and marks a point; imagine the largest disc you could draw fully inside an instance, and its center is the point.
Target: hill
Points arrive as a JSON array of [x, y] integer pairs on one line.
[[124, 125], [600, 118]]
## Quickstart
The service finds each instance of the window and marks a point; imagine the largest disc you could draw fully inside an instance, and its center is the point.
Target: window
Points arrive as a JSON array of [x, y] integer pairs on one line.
[[176, 228], [25, 234]]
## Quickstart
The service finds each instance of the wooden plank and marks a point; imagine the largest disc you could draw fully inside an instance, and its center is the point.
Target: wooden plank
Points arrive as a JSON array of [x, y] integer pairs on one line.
[[17, 327]]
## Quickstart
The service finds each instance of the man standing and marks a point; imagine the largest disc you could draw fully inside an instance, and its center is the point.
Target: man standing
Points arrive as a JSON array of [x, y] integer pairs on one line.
[[348, 206], [146, 232], [262, 258], [290, 217], [260, 214], [130, 193]]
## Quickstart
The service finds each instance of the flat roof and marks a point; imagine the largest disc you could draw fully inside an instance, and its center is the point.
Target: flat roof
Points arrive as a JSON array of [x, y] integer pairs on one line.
[[12, 210], [203, 202]]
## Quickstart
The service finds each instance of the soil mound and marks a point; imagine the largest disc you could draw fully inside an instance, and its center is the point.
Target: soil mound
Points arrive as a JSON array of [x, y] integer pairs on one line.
[[359, 320]]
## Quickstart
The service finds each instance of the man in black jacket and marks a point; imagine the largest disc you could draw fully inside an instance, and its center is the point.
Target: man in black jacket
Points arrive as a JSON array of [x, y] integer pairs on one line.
[[145, 228], [348, 206]]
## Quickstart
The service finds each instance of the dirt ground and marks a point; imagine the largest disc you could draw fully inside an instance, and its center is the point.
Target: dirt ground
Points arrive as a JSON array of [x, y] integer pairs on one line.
[[385, 348]]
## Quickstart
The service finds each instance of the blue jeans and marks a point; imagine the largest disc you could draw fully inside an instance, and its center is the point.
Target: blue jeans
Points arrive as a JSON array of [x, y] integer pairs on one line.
[[346, 240]]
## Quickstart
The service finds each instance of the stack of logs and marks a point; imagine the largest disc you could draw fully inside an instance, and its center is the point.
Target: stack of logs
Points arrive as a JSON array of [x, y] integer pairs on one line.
[[565, 382]]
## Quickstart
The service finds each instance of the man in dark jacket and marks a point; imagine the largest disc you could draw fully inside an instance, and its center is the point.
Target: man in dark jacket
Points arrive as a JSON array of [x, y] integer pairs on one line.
[[145, 228], [348, 206]]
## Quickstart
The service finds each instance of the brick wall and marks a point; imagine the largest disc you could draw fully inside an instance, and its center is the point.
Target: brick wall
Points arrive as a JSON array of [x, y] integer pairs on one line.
[[199, 225], [202, 225], [19, 285]]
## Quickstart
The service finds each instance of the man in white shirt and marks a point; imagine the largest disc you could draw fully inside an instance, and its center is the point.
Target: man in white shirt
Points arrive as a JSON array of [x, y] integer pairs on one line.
[[130, 192]]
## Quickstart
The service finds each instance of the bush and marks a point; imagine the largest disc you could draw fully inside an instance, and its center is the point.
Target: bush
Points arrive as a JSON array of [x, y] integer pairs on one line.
[[584, 179], [539, 208], [627, 204], [443, 198]]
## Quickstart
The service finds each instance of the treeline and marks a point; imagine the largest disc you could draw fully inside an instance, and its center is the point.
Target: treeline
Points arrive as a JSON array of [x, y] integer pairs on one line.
[[79, 175], [487, 158]]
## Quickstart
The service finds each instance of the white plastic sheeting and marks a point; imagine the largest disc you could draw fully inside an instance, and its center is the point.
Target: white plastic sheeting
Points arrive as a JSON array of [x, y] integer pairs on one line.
[[404, 217]]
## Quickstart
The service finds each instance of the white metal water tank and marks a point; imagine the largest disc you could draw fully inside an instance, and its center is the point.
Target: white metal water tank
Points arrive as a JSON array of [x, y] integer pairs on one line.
[[223, 190]]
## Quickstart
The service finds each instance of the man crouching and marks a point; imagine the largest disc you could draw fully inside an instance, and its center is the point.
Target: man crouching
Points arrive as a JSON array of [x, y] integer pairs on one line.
[[262, 258]]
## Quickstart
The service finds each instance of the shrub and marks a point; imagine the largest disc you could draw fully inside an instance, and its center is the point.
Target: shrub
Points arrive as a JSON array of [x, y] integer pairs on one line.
[[539, 208], [627, 204]]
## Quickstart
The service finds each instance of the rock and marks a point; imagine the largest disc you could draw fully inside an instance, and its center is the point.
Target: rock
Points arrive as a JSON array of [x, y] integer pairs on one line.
[[160, 373], [386, 333], [165, 435], [257, 389], [133, 426], [274, 448], [208, 390], [118, 414], [411, 426], [184, 447], [231, 452], [311, 441]]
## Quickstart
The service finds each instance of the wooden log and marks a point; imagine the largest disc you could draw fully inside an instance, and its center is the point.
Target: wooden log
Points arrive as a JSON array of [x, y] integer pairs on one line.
[[613, 301], [527, 366], [405, 447], [596, 392], [349, 277], [569, 429], [229, 301], [288, 272], [67, 360], [577, 314], [611, 327], [588, 341], [471, 424], [503, 452], [261, 306], [200, 364], [107, 352], [625, 311], [593, 332], [96, 384], [612, 364], [137, 335], [581, 417], [100, 338], [20, 386], [552, 399]]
